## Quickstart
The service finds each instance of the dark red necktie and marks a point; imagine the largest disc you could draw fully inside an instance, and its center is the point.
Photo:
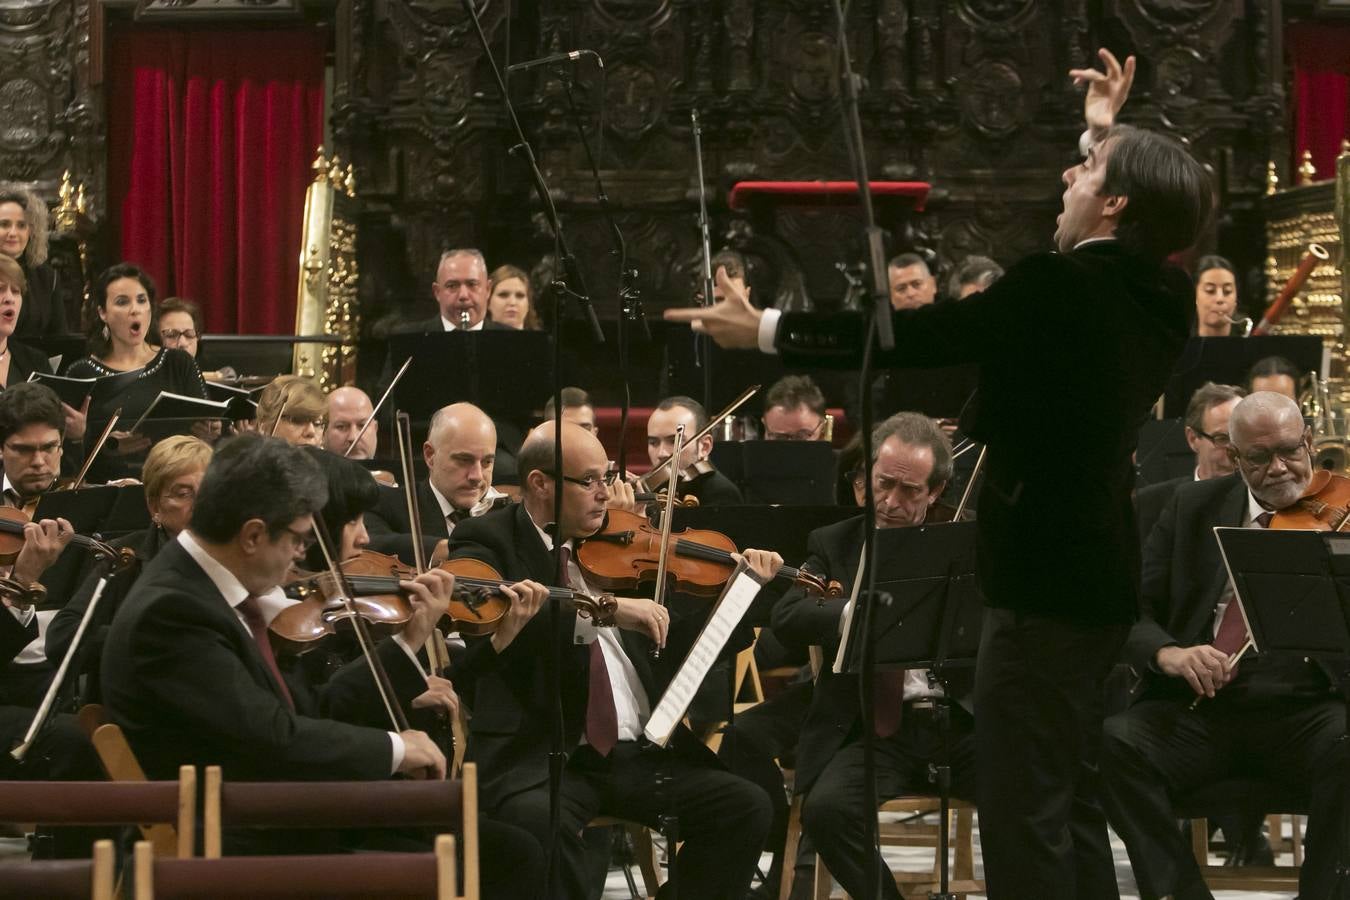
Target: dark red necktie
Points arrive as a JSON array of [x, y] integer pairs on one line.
[[602, 720], [252, 614], [1232, 634], [888, 697]]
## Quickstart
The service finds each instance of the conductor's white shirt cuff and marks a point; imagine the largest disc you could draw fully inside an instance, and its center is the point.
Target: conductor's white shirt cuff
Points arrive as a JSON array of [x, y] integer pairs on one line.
[[768, 330]]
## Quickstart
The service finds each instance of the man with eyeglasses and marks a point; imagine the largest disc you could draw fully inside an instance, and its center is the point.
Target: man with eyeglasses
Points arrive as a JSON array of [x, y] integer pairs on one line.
[[460, 452], [1270, 718], [794, 410], [1207, 434], [609, 684]]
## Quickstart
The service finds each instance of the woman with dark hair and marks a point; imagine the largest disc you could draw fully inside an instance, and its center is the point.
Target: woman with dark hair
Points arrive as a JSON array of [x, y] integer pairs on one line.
[[123, 299], [1215, 297], [352, 493], [23, 238]]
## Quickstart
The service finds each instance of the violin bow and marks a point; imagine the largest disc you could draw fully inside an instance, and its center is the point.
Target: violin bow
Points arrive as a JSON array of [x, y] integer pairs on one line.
[[667, 519], [376, 410], [98, 445], [704, 431], [276, 423], [382, 682], [970, 483], [403, 432]]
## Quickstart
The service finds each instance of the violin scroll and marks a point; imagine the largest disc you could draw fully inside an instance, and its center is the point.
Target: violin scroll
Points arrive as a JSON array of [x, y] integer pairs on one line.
[[20, 595], [818, 587], [600, 610]]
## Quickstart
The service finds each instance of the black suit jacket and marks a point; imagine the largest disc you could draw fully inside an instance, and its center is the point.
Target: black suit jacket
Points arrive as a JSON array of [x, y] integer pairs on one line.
[[513, 698], [25, 360], [388, 525], [1150, 501], [799, 619], [1088, 337], [713, 489], [186, 682], [433, 324], [1184, 579]]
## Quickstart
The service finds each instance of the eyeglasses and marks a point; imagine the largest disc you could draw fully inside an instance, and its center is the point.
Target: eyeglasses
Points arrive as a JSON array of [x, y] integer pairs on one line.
[[304, 421], [1262, 457], [802, 434], [1218, 438], [590, 481], [303, 539], [173, 334]]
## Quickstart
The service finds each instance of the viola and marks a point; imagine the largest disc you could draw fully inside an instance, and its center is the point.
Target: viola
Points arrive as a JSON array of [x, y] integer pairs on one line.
[[1324, 506], [12, 521], [626, 552]]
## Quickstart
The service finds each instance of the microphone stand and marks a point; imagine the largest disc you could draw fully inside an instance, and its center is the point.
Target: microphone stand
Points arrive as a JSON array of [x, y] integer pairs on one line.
[[879, 330], [557, 757], [702, 343]]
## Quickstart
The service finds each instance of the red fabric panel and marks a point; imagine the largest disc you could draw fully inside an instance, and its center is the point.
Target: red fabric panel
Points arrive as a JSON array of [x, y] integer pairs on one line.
[[211, 137], [1320, 53]]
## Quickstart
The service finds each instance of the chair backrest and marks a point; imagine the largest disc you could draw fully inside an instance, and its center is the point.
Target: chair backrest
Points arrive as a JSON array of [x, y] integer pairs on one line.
[[60, 879], [120, 763], [166, 805], [347, 804], [365, 875]]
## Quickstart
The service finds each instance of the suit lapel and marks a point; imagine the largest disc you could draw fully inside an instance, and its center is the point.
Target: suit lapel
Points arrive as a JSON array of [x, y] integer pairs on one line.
[[1231, 512], [531, 555], [433, 523]]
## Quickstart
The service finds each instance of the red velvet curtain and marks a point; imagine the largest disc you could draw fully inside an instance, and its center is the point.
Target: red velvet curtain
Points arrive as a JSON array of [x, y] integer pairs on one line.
[[211, 135], [1320, 52]]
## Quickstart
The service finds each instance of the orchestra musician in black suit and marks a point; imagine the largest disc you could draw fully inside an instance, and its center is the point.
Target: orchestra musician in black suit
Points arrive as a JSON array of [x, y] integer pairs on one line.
[[460, 451], [1281, 720], [461, 292], [1095, 328], [912, 463], [698, 477], [609, 684]]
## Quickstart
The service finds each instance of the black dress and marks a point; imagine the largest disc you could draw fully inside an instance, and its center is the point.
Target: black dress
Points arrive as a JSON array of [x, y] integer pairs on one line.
[[173, 370], [43, 314]]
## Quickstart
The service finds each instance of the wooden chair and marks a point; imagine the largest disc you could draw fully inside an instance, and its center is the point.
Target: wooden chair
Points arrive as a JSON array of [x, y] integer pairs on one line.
[[1236, 796], [61, 879], [347, 804], [110, 803], [363, 875], [120, 764], [644, 848]]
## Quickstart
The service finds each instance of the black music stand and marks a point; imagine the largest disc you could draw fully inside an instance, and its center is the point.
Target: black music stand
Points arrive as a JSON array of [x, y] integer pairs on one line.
[[1225, 360], [928, 614], [796, 473], [1293, 588], [1162, 453], [501, 371]]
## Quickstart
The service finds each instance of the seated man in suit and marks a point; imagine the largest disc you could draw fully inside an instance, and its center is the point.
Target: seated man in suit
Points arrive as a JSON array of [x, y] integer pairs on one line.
[[197, 619], [711, 487], [1207, 434], [577, 408], [348, 409], [609, 684], [1273, 718], [911, 465], [912, 282], [460, 451], [461, 292]]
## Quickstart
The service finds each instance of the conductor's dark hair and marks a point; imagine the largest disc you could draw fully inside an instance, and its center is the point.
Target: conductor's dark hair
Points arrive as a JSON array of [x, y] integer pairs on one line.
[[29, 403], [572, 397], [792, 391], [917, 430], [1206, 397], [352, 492], [689, 403], [1170, 195], [1272, 365], [256, 477], [98, 299]]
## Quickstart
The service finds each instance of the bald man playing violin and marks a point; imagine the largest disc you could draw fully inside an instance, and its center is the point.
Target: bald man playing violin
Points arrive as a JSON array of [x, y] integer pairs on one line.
[[609, 684], [1269, 718]]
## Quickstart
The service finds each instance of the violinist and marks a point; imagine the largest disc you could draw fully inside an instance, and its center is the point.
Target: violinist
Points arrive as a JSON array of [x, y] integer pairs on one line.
[[348, 409], [912, 462], [609, 684], [697, 477], [1280, 720], [197, 618], [292, 408], [460, 451], [171, 476]]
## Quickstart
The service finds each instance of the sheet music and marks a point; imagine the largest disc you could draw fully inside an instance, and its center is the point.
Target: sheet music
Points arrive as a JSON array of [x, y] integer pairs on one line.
[[731, 608], [846, 625]]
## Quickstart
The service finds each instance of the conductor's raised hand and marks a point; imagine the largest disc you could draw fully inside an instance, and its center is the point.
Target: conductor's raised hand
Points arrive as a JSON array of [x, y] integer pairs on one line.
[[526, 599], [1107, 91], [732, 322], [645, 616]]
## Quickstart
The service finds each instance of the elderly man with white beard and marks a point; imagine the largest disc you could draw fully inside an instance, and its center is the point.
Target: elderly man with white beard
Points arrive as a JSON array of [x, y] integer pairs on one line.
[[1276, 719]]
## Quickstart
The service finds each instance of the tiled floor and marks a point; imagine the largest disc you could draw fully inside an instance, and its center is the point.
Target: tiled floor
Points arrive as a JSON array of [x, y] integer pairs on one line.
[[918, 858]]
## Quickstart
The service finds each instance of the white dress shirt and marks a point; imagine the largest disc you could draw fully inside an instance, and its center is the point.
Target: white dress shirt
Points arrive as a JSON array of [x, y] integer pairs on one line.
[[269, 604], [452, 326], [485, 504], [631, 706]]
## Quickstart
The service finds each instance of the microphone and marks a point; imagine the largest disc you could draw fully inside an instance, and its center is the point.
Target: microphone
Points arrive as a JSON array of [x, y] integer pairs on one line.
[[570, 56]]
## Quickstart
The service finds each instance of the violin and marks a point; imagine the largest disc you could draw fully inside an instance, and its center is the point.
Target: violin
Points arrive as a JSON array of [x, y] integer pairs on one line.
[[12, 521], [660, 474], [625, 553], [1324, 506]]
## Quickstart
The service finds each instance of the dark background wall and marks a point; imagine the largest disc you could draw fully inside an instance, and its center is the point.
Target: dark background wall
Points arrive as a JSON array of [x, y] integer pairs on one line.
[[969, 95]]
